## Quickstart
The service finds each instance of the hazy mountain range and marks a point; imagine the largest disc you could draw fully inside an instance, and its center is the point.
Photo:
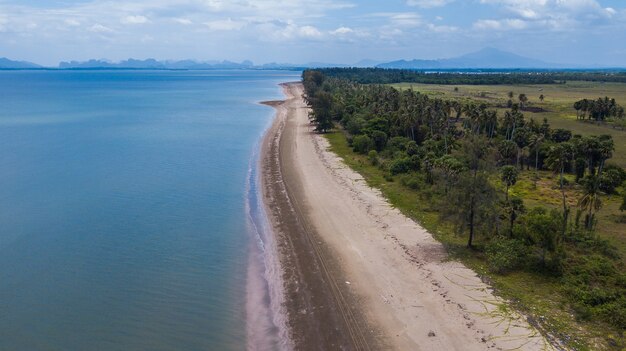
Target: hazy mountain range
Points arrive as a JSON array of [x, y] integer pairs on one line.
[[485, 58], [488, 58]]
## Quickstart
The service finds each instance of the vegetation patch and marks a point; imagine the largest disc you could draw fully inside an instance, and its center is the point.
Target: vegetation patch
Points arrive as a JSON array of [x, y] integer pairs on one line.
[[520, 202]]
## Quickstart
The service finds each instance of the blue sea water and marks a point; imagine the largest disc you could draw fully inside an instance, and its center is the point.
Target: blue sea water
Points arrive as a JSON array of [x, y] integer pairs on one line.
[[123, 207]]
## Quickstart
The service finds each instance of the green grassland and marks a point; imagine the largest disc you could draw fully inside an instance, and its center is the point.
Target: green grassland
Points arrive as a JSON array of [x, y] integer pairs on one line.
[[557, 106], [559, 111]]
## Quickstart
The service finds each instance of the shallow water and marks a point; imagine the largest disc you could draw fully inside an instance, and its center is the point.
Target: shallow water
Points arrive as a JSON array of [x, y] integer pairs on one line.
[[123, 218]]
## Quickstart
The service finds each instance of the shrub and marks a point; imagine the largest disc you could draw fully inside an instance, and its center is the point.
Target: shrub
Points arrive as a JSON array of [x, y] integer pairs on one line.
[[355, 126], [373, 157], [401, 165], [412, 182], [561, 135], [505, 255], [380, 140], [412, 148], [362, 144], [398, 143], [610, 180]]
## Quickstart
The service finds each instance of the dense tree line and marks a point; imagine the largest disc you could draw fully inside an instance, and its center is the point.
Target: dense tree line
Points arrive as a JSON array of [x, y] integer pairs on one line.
[[466, 157], [598, 110], [390, 76]]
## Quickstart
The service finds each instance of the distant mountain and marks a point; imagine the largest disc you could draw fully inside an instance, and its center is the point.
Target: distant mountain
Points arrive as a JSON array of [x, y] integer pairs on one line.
[[5, 63], [485, 58], [154, 64]]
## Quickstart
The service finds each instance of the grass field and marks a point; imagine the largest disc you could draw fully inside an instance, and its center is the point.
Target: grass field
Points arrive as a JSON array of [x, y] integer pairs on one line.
[[557, 105], [559, 110]]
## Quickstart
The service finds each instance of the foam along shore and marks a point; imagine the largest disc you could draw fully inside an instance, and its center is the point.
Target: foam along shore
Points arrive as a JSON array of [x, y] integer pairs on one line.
[[357, 273]]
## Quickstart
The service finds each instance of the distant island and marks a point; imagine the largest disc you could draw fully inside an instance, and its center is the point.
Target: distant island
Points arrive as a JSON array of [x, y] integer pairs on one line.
[[485, 59]]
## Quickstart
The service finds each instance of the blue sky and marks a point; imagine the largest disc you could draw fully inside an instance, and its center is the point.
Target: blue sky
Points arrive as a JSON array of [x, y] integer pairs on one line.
[[341, 31]]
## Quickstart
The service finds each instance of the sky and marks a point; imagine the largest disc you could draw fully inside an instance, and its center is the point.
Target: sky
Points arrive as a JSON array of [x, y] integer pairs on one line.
[[581, 32]]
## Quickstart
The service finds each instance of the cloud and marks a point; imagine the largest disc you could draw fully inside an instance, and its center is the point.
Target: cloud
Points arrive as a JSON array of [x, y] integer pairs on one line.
[[99, 28], [310, 32], [547, 14], [428, 3], [342, 31], [72, 22], [408, 19], [135, 20], [505, 24], [183, 21], [441, 29], [225, 25]]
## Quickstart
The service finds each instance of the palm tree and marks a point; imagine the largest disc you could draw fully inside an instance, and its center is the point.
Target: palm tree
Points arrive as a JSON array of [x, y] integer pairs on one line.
[[557, 160], [508, 174], [535, 142], [590, 202], [522, 100]]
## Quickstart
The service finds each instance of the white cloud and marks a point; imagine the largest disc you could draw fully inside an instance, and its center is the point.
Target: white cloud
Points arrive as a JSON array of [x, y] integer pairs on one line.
[[225, 25], [408, 19], [183, 21], [428, 3], [505, 24], [441, 29], [135, 20], [548, 14], [310, 32], [72, 22], [99, 28], [342, 31]]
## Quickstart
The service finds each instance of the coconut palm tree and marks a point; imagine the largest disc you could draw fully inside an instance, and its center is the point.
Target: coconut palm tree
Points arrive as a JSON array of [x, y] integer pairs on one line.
[[590, 202], [508, 174], [558, 156]]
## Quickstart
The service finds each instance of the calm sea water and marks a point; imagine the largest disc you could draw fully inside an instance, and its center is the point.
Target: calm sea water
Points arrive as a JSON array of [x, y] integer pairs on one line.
[[123, 207]]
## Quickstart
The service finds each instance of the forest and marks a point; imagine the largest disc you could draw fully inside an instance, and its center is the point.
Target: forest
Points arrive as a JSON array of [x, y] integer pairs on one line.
[[464, 157], [390, 76]]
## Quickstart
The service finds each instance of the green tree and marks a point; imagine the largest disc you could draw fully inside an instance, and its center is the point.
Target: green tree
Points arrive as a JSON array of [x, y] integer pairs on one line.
[[590, 202], [523, 99], [542, 228], [514, 207], [508, 175], [471, 203], [557, 159]]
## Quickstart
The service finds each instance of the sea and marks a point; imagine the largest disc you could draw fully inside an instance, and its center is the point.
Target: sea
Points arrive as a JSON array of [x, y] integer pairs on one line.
[[130, 214]]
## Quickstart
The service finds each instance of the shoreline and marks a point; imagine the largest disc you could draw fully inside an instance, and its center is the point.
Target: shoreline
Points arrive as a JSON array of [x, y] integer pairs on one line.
[[359, 275]]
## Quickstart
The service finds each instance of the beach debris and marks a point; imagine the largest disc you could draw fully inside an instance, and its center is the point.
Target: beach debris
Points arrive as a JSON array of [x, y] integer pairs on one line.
[[431, 334]]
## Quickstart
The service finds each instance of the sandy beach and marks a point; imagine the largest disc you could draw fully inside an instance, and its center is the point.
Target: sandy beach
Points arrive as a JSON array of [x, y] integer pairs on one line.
[[358, 274]]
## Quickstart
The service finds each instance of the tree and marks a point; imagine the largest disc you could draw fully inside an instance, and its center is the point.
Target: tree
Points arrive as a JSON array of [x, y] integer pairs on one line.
[[542, 228], [522, 100], [515, 207], [508, 174], [558, 157], [535, 142], [541, 97], [471, 202], [590, 202], [321, 111]]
